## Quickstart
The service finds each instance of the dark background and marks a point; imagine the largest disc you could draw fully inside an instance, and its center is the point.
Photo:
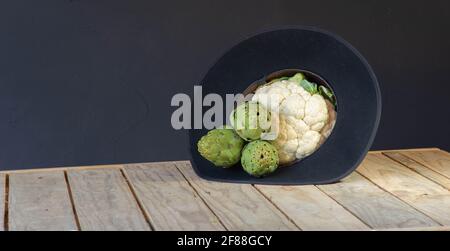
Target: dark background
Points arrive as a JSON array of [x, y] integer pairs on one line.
[[89, 82]]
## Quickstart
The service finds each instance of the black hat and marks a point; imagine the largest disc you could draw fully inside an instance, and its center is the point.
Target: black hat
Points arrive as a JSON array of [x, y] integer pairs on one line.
[[330, 57]]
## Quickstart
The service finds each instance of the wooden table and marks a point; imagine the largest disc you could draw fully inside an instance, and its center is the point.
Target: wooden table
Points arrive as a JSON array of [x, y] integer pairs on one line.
[[391, 190]]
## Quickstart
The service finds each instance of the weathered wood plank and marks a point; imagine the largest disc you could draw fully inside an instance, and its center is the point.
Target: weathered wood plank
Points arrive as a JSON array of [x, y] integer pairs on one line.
[[40, 201], [406, 150], [2, 200], [104, 201], [238, 206], [53, 169], [311, 209], [438, 228], [409, 186], [439, 161], [420, 168], [374, 206], [169, 201]]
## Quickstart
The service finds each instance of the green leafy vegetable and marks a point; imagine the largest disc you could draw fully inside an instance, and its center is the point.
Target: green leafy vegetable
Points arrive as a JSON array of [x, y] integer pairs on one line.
[[309, 86], [328, 94], [298, 77]]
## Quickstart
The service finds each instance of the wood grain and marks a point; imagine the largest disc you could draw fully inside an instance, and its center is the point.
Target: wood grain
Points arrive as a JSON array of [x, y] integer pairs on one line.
[[409, 186], [311, 209], [2, 201], [393, 190], [168, 199], [439, 228], [53, 169], [439, 161], [104, 201], [407, 150], [374, 206], [39, 201], [238, 206], [420, 168]]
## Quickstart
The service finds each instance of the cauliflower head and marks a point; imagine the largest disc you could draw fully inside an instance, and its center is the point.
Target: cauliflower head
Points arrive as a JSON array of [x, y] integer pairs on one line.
[[305, 120]]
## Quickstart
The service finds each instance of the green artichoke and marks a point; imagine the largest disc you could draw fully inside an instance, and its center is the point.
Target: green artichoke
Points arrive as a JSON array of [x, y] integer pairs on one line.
[[250, 120], [259, 158], [221, 146]]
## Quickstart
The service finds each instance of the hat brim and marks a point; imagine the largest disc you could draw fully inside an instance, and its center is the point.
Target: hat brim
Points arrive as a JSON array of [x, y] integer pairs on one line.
[[335, 60]]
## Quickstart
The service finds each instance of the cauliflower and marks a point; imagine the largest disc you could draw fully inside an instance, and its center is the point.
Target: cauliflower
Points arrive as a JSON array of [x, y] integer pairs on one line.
[[305, 118]]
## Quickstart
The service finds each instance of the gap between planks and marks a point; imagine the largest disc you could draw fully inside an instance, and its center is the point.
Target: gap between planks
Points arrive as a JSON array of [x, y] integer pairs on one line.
[[407, 150], [420, 169], [39, 201], [401, 199], [138, 201], [68, 188], [246, 208], [203, 200], [345, 207], [311, 209], [277, 207], [72, 203], [406, 180], [120, 167], [168, 199], [373, 205], [104, 201], [438, 161], [6, 219], [4, 202]]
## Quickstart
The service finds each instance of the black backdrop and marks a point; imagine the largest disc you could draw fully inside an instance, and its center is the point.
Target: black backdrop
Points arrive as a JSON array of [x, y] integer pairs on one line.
[[89, 82]]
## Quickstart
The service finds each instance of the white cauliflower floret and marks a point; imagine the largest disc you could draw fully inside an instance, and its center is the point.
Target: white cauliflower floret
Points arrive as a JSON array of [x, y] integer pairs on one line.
[[286, 142], [308, 143], [295, 88], [293, 105], [271, 96], [304, 119], [316, 112]]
